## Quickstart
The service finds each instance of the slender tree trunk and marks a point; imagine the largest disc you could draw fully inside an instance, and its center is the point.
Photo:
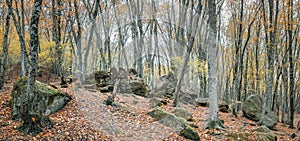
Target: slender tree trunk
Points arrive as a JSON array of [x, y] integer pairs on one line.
[[21, 34], [187, 54], [5, 49], [291, 68], [214, 121], [212, 61], [31, 126]]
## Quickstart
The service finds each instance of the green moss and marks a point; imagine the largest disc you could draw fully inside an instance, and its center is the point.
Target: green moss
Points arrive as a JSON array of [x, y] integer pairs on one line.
[[239, 136], [215, 124], [158, 113], [189, 133], [46, 98]]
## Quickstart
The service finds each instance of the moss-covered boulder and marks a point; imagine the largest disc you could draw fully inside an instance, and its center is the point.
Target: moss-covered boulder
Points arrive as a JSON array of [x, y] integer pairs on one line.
[[165, 86], [180, 125], [265, 134], [252, 109], [48, 99], [183, 113], [155, 102], [224, 107]]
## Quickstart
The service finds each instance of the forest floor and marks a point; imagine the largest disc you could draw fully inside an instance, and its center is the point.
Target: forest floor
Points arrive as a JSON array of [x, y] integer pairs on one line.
[[86, 117]]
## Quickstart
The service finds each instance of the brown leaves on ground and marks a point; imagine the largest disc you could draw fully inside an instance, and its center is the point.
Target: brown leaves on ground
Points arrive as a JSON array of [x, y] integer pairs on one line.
[[71, 123]]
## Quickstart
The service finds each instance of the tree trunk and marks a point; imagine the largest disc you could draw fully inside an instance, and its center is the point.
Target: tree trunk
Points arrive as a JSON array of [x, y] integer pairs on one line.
[[24, 58], [5, 48], [31, 122], [187, 54], [291, 68], [214, 121]]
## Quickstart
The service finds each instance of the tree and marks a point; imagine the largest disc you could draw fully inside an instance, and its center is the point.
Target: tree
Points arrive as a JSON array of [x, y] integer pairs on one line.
[[31, 119], [214, 121], [21, 34], [291, 68], [188, 52], [5, 48]]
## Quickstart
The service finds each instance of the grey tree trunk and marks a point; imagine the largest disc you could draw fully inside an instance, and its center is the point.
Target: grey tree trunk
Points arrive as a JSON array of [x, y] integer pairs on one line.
[[291, 68], [31, 126], [212, 62], [187, 53], [5, 48], [56, 19], [21, 34]]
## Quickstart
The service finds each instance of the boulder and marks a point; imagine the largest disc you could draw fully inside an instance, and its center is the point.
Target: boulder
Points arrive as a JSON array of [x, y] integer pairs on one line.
[[187, 99], [265, 134], [202, 102], [155, 102], [138, 88], [128, 83], [252, 109], [180, 125], [101, 77], [224, 107], [269, 120], [165, 86], [180, 112], [48, 99]]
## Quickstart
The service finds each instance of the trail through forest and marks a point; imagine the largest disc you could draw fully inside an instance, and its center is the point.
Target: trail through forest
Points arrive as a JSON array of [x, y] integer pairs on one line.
[[86, 117]]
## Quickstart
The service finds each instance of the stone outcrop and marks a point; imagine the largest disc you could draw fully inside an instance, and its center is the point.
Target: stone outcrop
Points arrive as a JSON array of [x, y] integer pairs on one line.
[[252, 109], [48, 99], [180, 125]]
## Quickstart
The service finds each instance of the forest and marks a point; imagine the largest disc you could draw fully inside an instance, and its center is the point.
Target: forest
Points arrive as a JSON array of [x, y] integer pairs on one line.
[[150, 70]]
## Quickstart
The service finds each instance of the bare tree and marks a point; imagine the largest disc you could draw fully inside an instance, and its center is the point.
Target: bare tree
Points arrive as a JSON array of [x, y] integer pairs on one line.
[[187, 54], [5, 48], [30, 125], [214, 121]]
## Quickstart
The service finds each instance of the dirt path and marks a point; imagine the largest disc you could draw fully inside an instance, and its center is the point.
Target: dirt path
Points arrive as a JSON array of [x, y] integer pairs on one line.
[[126, 123]]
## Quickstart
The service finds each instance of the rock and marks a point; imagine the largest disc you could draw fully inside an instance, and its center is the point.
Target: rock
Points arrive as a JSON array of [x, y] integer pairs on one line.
[[48, 99], [165, 86], [298, 125], [202, 102], [106, 89], [186, 99], [180, 112], [154, 102], [252, 109], [241, 136], [224, 107], [101, 77], [270, 120], [265, 134], [180, 125], [190, 133], [138, 88]]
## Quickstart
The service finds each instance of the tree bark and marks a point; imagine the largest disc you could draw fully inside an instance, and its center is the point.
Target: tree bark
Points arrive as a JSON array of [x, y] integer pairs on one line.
[[30, 125], [5, 49], [187, 54]]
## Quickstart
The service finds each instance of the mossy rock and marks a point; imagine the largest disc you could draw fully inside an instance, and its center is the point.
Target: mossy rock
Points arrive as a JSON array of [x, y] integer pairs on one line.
[[190, 133], [180, 125], [183, 113], [154, 102], [265, 134], [219, 124], [157, 113], [239, 136], [48, 99]]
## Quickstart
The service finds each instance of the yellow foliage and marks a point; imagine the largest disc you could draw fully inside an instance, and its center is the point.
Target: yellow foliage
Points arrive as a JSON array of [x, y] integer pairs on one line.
[[201, 66], [177, 60], [46, 56]]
